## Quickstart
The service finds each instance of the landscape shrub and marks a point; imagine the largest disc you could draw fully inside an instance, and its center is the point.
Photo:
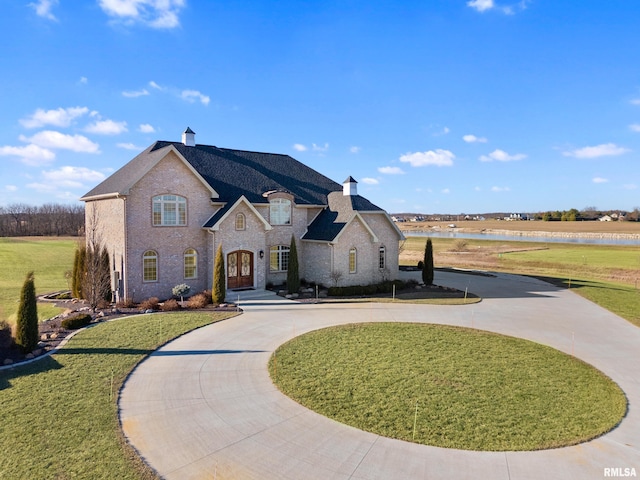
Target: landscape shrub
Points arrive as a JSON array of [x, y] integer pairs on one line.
[[76, 321], [219, 278], [152, 303], [170, 305], [128, 303], [27, 320], [200, 300], [420, 265], [6, 339], [360, 290]]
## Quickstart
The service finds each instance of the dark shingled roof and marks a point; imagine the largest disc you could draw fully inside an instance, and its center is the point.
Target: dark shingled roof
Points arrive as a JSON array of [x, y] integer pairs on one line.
[[330, 222], [231, 173]]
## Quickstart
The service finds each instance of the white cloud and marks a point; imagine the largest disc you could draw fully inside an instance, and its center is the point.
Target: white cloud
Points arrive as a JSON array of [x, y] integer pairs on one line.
[[153, 84], [43, 8], [73, 177], [630, 186], [501, 156], [146, 128], [600, 180], [57, 140], [446, 191], [635, 101], [129, 146], [11, 188], [135, 93], [603, 150], [391, 170], [32, 155], [370, 181], [355, 149], [299, 147], [320, 148], [439, 158], [635, 127], [83, 80], [192, 95], [162, 14], [500, 189], [106, 127], [439, 133], [61, 117], [474, 139], [481, 5]]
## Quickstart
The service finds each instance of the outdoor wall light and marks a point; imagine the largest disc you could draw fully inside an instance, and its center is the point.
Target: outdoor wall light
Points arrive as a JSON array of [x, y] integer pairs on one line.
[[261, 254]]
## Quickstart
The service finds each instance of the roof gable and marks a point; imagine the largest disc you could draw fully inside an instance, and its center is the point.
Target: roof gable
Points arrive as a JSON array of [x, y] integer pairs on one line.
[[121, 182], [214, 222]]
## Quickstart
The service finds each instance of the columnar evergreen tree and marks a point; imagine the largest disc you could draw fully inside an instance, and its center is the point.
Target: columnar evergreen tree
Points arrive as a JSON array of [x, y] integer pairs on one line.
[[105, 275], [27, 321], [293, 273], [219, 290], [427, 267], [79, 270]]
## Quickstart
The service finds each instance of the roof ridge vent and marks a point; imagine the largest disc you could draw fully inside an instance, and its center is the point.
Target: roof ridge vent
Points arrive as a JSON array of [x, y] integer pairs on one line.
[[189, 137]]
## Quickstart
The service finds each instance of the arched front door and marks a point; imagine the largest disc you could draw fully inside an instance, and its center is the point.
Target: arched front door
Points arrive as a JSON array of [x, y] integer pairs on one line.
[[240, 269]]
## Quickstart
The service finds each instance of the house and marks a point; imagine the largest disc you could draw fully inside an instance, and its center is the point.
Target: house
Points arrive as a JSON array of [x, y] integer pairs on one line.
[[163, 215]]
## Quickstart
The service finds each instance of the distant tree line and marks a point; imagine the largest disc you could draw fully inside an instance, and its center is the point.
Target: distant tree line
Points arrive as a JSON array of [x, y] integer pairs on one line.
[[51, 220]]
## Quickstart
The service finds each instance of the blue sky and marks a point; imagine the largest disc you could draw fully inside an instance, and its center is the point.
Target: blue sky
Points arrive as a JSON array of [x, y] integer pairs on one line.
[[433, 106]]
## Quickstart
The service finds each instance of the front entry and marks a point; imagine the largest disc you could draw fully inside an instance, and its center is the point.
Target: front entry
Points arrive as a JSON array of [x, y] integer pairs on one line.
[[239, 269]]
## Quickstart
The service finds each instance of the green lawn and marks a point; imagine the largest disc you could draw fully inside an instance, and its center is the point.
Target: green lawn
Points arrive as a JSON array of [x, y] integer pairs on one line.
[[59, 415], [606, 275], [48, 257], [474, 390]]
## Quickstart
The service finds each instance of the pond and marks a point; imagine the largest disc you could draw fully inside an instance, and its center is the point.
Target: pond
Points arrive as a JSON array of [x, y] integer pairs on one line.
[[552, 238]]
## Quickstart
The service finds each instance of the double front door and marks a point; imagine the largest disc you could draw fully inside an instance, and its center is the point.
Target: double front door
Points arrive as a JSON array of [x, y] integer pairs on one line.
[[239, 269]]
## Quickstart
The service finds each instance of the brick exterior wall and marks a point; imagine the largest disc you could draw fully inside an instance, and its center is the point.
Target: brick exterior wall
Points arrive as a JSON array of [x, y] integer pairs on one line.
[[127, 240]]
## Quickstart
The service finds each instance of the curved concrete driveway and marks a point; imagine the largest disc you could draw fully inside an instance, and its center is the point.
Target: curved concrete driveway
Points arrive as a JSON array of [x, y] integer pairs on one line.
[[204, 406]]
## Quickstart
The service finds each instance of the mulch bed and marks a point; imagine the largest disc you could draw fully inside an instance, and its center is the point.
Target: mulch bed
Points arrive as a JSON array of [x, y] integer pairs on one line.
[[52, 334]]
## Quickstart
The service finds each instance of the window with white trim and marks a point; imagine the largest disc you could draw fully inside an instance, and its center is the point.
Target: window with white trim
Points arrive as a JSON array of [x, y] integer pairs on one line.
[[190, 263], [280, 211], [382, 258], [353, 260], [169, 210], [150, 266], [279, 258]]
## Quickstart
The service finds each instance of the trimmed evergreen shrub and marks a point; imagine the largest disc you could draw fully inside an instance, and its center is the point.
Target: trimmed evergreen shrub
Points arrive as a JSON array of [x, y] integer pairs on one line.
[[219, 290], [27, 321], [76, 321], [293, 274], [427, 269]]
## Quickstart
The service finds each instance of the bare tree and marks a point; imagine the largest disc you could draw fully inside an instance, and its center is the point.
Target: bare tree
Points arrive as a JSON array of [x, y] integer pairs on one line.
[[96, 285]]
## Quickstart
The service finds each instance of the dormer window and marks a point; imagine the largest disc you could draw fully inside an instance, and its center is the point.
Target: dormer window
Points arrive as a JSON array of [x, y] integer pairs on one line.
[[280, 211], [169, 210]]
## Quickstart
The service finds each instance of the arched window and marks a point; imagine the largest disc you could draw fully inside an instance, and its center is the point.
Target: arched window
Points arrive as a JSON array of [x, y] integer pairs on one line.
[[150, 266], [240, 221], [353, 260], [169, 210], [280, 211], [382, 258], [190, 263], [279, 258]]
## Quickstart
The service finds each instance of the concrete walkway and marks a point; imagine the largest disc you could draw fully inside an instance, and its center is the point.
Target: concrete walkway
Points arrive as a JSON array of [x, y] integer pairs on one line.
[[204, 407]]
